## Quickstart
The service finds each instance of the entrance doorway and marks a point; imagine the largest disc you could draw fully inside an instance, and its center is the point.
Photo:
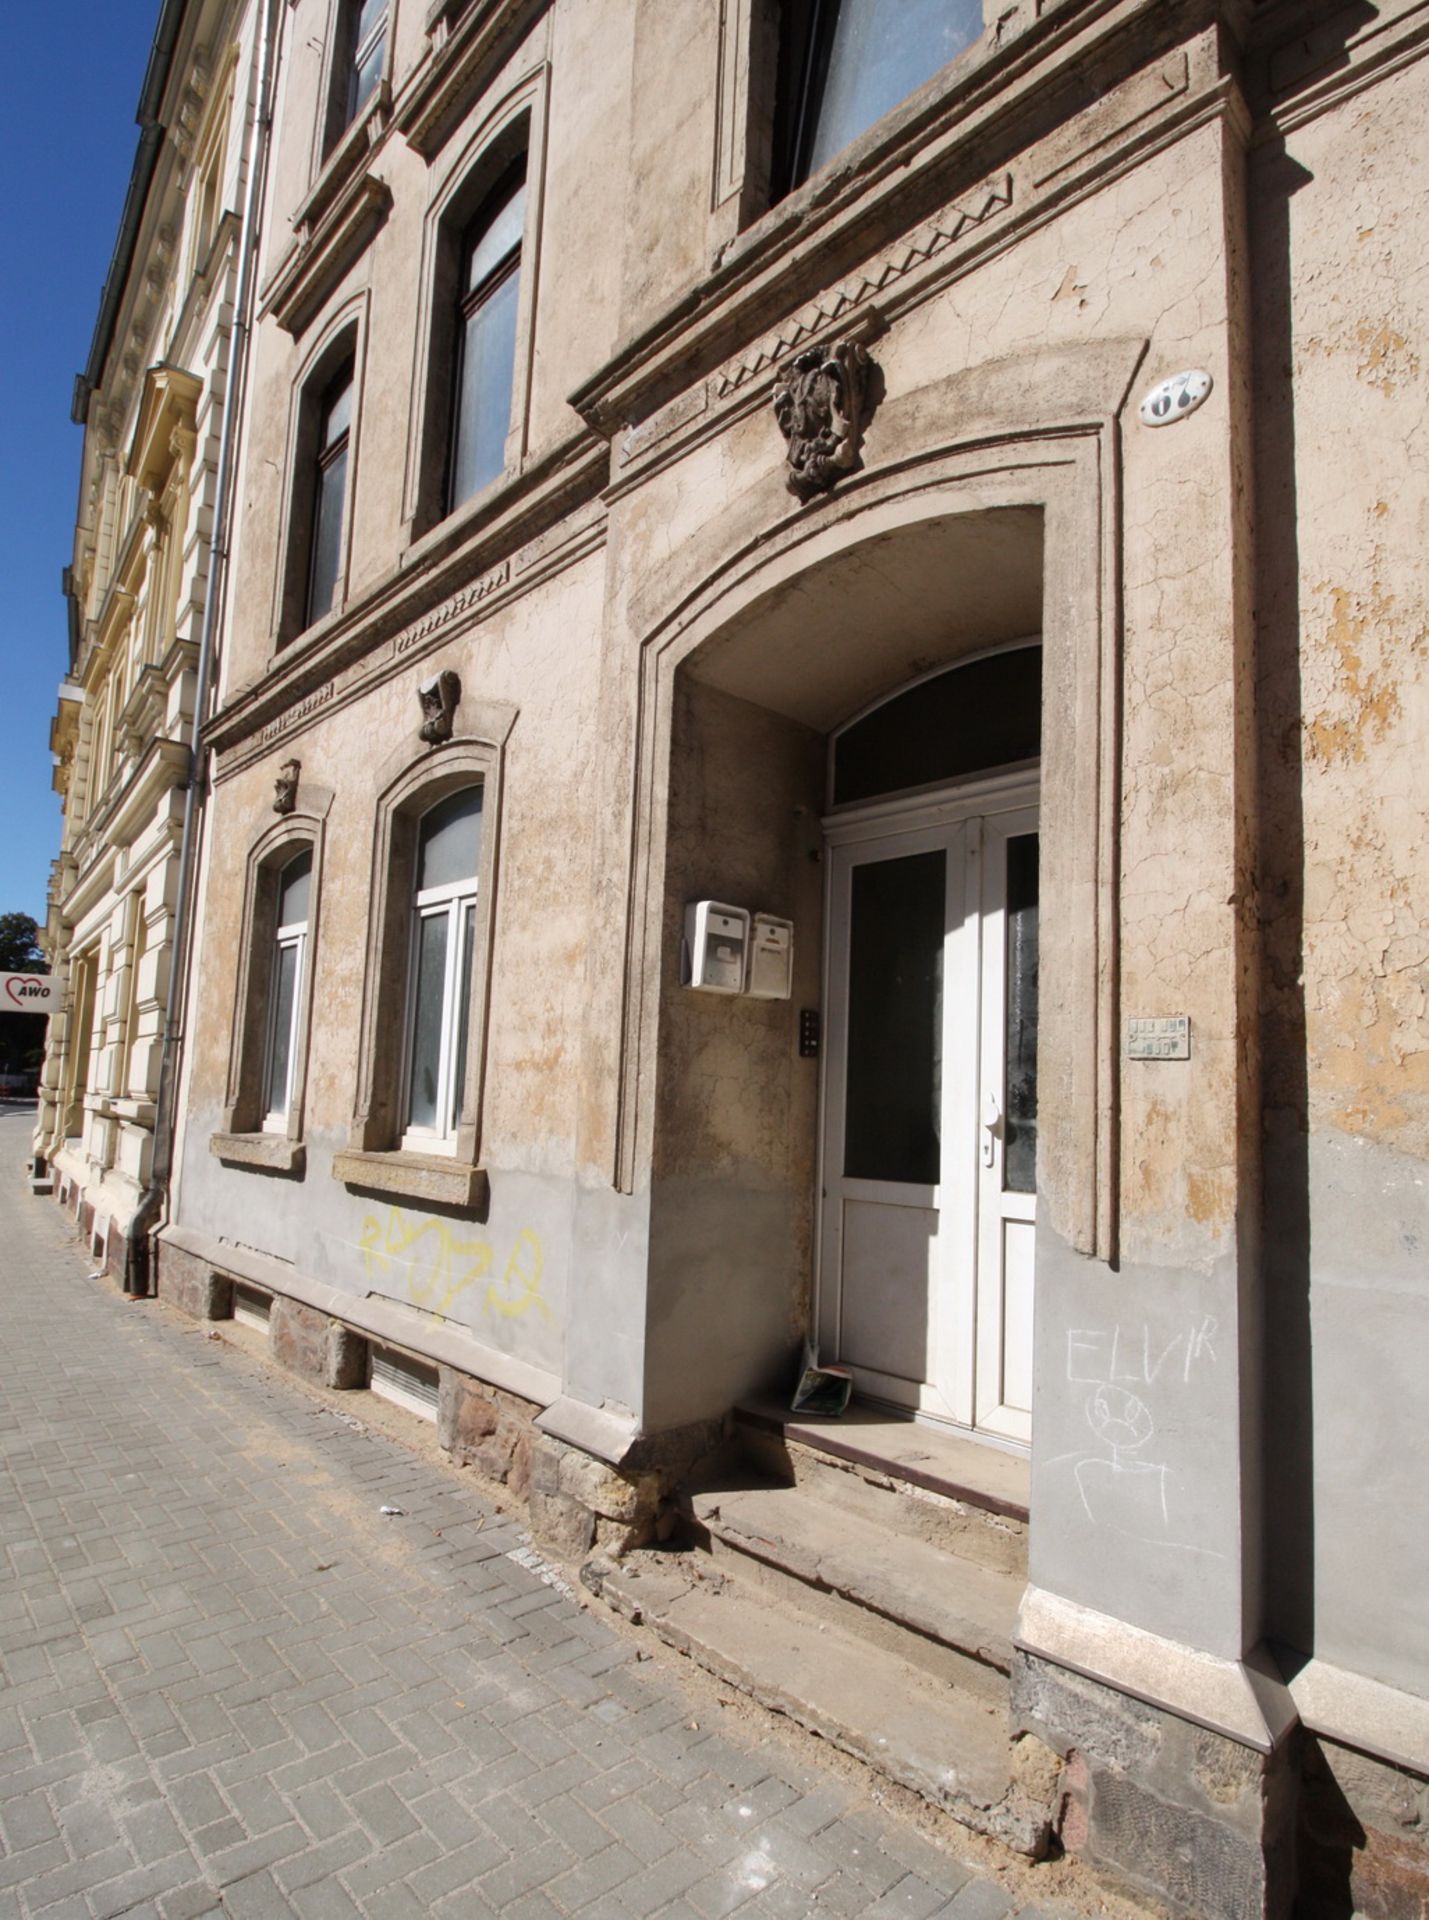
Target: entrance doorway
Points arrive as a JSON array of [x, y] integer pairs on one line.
[[929, 1116]]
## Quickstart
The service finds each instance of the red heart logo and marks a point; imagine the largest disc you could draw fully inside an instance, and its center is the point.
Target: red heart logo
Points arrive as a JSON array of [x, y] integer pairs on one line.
[[16, 985]]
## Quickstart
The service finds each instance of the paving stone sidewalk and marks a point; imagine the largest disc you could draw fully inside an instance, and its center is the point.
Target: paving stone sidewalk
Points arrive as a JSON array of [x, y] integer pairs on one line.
[[229, 1686]]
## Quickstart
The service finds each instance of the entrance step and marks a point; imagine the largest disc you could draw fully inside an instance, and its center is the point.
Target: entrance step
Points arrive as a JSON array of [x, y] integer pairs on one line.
[[861, 1576], [921, 1481], [951, 1616], [946, 1743]]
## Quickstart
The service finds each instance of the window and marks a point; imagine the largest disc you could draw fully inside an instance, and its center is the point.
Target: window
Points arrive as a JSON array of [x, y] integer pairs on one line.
[[845, 63], [329, 494], [362, 54], [416, 1116], [440, 967], [484, 334], [286, 989], [268, 1056]]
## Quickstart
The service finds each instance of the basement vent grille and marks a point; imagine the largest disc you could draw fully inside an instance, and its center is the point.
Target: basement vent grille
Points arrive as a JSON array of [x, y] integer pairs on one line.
[[405, 1382], [252, 1309]]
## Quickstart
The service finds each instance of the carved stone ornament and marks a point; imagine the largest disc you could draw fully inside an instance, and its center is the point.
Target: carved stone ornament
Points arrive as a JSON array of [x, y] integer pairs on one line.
[[439, 697], [820, 402], [285, 787]]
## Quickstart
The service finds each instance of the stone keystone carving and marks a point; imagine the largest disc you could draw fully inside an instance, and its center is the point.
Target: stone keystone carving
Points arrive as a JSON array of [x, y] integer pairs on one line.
[[439, 697], [285, 787], [821, 404]]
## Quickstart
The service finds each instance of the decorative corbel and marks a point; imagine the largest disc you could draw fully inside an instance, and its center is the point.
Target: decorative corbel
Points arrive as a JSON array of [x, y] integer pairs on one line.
[[285, 787], [438, 697], [821, 404]]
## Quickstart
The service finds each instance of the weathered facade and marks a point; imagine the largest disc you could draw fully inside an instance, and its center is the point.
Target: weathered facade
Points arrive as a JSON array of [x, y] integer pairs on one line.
[[953, 489], [151, 402]]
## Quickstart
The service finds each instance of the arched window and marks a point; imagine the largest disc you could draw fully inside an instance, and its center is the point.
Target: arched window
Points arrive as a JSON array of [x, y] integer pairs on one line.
[[484, 337], [970, 718], [443, 938]]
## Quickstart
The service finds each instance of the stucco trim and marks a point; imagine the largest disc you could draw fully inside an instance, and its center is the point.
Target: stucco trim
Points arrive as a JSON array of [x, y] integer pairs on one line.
[[273, 1151], [415, 1176], [1366, 1714], [1070, 470], [1244, 1700]]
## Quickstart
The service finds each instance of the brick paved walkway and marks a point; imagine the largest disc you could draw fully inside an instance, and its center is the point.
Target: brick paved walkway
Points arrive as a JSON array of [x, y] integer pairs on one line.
[[231, 1687]]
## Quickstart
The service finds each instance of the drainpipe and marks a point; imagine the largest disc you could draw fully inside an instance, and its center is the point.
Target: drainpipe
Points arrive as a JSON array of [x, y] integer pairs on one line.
[[150, 1214]]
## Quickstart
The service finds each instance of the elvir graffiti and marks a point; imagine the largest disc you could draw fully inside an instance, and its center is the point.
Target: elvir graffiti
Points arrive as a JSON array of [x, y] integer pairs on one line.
[[437, 1267]]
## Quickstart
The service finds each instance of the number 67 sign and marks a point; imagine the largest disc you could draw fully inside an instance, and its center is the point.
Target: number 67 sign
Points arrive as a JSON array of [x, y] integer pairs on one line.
[[27, 993], [1175, 397]]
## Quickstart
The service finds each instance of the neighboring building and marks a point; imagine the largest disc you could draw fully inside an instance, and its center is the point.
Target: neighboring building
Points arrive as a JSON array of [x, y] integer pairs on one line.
[[949, 482], [151, 402]]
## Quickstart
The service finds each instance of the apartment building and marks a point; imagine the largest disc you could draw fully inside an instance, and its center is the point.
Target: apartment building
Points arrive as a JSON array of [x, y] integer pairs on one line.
[[817, 751]]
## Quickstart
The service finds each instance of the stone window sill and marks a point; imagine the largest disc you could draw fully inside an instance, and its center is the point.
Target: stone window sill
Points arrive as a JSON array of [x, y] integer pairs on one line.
[[415, 1176], [273, 1151]]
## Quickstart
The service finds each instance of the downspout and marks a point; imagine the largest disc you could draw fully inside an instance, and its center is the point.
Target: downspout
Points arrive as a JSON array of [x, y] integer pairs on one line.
[[150, 1213]]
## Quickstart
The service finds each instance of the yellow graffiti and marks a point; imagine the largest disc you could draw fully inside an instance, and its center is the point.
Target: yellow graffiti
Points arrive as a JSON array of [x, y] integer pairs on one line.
[[438, 1268]]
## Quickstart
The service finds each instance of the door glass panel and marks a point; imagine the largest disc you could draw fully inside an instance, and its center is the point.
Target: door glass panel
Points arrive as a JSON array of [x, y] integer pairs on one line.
[[427, 1019], [1020, 1156], [892, 1124]]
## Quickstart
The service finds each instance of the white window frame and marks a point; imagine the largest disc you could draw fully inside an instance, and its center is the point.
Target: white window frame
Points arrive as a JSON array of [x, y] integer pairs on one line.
[[456, 901], [276, 1102]]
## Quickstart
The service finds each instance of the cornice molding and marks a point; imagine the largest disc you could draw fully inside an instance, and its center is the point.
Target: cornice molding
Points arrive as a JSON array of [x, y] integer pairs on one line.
[[306, 279], [466, 46]]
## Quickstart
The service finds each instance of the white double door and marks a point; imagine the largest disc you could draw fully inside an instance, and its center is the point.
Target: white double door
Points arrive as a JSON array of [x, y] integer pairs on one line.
[[929, 1105]]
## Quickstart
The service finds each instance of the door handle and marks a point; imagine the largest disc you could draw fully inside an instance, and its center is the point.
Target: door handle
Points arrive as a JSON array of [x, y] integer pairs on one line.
[[991, 1124]]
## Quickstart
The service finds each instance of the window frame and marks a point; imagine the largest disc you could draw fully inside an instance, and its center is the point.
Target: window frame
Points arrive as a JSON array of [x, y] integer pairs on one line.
[[342, 344], [343, 110], [378, 1155], [472, 301], [330, 450], [461, 189], [251, 1134], [453, 902], [291, 936]]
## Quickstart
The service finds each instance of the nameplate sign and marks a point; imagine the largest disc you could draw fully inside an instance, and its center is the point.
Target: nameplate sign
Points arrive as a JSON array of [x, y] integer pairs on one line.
[[1165, 1038]]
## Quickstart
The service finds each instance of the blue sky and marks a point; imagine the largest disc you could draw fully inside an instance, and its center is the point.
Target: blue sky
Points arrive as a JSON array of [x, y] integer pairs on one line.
[[72, 75]]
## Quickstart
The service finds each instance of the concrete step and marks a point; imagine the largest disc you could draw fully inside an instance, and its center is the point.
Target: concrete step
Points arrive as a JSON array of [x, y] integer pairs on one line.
[[922, 1481], [951, 1616], [941, 1741]]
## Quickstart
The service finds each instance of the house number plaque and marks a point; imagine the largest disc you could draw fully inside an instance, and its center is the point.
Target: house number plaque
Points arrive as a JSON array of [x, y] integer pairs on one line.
[[1173, 399], [1166, 1038]]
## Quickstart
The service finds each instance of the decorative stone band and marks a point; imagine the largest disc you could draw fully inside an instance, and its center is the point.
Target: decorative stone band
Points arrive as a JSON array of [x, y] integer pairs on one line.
[[1245, 1700]]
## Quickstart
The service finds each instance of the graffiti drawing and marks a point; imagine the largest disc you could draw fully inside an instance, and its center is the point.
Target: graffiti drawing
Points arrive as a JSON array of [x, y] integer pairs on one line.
[[437, 1267]]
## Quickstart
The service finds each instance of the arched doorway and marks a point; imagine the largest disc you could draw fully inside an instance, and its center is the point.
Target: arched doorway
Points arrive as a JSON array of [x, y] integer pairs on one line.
[[928, 1118], [846, 650]]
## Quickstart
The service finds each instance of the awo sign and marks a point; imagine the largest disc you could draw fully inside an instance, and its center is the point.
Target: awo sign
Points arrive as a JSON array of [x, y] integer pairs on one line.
[[27, 993]]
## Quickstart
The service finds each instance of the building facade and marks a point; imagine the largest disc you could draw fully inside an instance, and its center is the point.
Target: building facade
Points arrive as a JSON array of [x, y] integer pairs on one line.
[[818, 742], [151, 402]]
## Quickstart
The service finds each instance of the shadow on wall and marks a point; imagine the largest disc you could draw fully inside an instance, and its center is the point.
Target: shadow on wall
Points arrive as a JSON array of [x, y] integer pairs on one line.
[[1289, 1403]]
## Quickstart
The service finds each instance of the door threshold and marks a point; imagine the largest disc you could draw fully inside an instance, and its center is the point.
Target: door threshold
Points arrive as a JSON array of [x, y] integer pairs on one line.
[[933, 1458]]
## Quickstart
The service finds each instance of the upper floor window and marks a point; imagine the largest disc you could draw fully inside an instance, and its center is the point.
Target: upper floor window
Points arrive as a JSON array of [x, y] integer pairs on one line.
[[329, 493], [439, 979], [286, 989], [488, 295], [363, 52], [846, 63]]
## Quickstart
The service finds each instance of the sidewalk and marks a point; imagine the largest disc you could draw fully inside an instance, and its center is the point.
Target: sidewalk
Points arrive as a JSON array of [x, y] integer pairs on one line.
[[232, 1687]]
